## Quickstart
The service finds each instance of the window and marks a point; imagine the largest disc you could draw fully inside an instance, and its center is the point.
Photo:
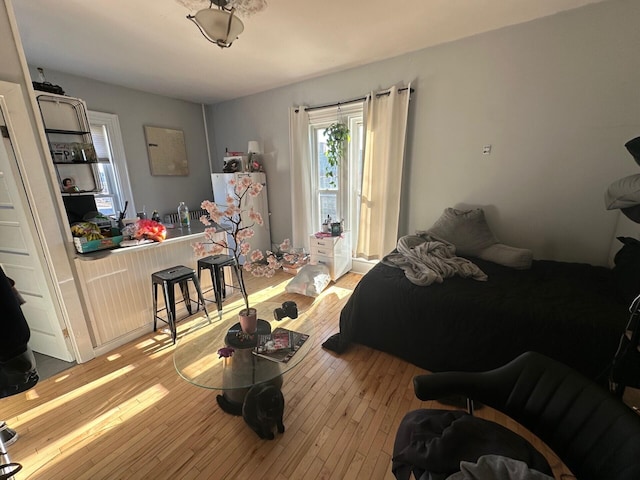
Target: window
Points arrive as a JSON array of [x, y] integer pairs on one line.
[[337, 196], [112, 166]]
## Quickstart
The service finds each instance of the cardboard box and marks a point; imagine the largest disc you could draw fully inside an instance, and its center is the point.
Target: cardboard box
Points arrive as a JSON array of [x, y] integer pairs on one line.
[[84, 246], [294, 269]]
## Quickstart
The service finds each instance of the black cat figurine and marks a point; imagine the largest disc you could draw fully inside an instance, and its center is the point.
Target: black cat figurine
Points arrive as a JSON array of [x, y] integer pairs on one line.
[[263, 409]]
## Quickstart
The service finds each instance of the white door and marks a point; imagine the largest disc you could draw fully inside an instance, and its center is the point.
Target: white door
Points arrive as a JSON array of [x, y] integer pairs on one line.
[[21, 254]]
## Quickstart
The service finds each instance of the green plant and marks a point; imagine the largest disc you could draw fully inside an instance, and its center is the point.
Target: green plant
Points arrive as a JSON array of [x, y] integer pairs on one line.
[[337, 136]]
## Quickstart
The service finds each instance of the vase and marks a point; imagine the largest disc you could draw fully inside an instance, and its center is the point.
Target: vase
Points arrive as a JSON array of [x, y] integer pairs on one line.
[[248, 320]]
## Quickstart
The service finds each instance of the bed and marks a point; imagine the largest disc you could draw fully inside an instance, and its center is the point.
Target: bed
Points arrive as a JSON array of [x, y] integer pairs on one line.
[[572, 312]]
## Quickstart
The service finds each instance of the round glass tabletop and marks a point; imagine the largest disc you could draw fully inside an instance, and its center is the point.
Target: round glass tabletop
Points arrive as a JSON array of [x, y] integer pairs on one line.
[[197, 358]]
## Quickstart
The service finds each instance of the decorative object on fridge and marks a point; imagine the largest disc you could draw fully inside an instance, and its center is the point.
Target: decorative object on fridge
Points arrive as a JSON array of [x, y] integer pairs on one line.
[[232, 164], [254, 153]]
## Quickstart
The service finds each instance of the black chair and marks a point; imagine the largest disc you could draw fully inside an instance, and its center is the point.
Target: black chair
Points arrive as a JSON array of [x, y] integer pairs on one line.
[[592, 431], [17, 363], [169, 278], [17, 375], [625, 368]]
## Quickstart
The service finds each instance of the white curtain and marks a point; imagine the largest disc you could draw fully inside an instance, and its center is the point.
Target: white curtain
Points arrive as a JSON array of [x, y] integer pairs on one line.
[[302, 222], [385, 132]]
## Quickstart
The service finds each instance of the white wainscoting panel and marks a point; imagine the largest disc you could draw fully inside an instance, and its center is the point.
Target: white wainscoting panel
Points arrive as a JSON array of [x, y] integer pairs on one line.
[[118, 291]]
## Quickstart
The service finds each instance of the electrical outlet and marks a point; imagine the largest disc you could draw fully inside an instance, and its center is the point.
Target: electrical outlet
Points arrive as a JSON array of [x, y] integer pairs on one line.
[[486, 150]]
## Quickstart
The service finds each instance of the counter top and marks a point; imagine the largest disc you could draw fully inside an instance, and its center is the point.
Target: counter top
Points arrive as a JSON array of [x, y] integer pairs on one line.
[[173, 235]]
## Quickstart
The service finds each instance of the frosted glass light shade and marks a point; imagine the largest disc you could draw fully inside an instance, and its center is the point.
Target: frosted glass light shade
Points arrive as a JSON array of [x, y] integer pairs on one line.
[[214, 23], [253, 147]]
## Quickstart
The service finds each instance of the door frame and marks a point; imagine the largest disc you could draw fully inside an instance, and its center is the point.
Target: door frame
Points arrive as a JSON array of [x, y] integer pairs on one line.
[[45, 222]]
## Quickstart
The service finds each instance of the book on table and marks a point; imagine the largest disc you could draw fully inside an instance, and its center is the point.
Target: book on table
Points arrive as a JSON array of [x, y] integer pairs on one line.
[[280, 345]]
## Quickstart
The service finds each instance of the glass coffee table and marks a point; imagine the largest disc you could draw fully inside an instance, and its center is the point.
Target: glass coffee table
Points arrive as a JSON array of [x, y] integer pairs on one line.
[[197, 360]]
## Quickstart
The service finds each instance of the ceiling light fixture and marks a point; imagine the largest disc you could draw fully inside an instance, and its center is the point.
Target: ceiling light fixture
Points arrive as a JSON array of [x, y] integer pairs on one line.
[[219, 26]]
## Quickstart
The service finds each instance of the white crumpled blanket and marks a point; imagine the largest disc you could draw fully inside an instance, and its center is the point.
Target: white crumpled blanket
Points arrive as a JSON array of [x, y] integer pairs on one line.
[[426, 260], [496, 467]]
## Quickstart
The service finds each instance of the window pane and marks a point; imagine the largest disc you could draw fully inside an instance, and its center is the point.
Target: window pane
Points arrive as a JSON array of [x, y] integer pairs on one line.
[[107, 178], [327, 175], [105, 205], [329, 206], [100, 141], [108, 201]]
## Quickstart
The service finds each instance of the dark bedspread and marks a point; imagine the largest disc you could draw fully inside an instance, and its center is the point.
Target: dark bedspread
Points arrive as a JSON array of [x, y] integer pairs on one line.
[[568, 311]]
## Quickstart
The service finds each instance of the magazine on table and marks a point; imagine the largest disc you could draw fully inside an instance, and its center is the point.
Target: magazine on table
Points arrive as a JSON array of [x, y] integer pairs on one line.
[[280, 345]]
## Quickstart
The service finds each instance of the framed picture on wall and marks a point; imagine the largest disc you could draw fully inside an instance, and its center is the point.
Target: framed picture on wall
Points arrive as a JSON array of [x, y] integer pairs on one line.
[[167, 151]]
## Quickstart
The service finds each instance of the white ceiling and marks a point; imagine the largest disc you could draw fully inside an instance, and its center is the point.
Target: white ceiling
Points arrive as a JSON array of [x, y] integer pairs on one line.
[[150, 45]]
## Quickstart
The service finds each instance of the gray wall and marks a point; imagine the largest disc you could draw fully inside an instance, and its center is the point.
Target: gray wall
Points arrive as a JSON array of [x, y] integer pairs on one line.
[[557, 98], [136, 109]]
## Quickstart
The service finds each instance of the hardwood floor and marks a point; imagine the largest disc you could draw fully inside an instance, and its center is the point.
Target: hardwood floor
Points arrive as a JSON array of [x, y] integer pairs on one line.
[[128, 415]]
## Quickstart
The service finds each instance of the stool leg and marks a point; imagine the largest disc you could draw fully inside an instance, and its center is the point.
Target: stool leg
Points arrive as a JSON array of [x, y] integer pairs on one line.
[[223, 283], [170, 303], [217, 276], [155, 306], [196, 283], [198, 305], [7, 468], [184, 286]]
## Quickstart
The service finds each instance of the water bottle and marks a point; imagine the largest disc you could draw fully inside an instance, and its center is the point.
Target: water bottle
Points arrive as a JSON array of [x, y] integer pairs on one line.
[[183, 216]]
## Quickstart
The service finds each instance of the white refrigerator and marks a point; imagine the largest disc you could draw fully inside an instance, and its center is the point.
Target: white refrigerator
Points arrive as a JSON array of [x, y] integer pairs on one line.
[[261, 239]]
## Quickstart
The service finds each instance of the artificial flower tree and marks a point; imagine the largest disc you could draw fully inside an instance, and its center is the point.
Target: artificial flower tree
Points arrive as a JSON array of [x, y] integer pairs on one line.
[[237, 221]]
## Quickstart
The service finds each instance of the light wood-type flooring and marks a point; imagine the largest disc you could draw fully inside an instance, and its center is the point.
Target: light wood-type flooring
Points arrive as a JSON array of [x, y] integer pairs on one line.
[[128, 415]]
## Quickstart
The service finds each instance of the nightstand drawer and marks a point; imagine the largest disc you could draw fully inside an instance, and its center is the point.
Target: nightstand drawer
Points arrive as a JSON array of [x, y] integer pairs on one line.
[[322, 250], [325, 242], [334, 252]]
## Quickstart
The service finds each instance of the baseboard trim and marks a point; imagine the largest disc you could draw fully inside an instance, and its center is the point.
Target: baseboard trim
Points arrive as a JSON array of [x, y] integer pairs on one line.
[[123, 340], [362, 266]]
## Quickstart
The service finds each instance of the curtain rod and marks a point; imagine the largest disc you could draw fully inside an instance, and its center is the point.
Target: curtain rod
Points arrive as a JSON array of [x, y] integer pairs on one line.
[[348, 102]]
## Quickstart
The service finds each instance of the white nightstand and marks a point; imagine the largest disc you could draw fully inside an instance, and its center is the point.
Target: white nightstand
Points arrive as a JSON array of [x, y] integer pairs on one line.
[[334, 252]]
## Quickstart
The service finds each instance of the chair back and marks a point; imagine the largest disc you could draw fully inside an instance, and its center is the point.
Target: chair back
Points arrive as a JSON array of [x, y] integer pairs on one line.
[[18, 373], [593, 432]]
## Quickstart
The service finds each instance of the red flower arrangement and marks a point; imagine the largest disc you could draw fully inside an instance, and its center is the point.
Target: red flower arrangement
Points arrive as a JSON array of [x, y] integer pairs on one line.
[[146, 229]]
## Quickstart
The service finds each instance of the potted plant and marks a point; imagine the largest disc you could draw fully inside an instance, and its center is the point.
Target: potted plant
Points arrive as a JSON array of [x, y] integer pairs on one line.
[[337, 137], [237, 222]]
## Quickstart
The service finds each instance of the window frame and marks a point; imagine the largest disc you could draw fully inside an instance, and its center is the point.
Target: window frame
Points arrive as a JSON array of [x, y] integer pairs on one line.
[[118, 158], [349, 171]]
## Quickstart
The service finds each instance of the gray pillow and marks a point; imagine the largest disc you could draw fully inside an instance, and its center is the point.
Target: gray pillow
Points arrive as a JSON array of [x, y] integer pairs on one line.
[[518, 258], [466, 229], [623, 193], [469, 232]]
